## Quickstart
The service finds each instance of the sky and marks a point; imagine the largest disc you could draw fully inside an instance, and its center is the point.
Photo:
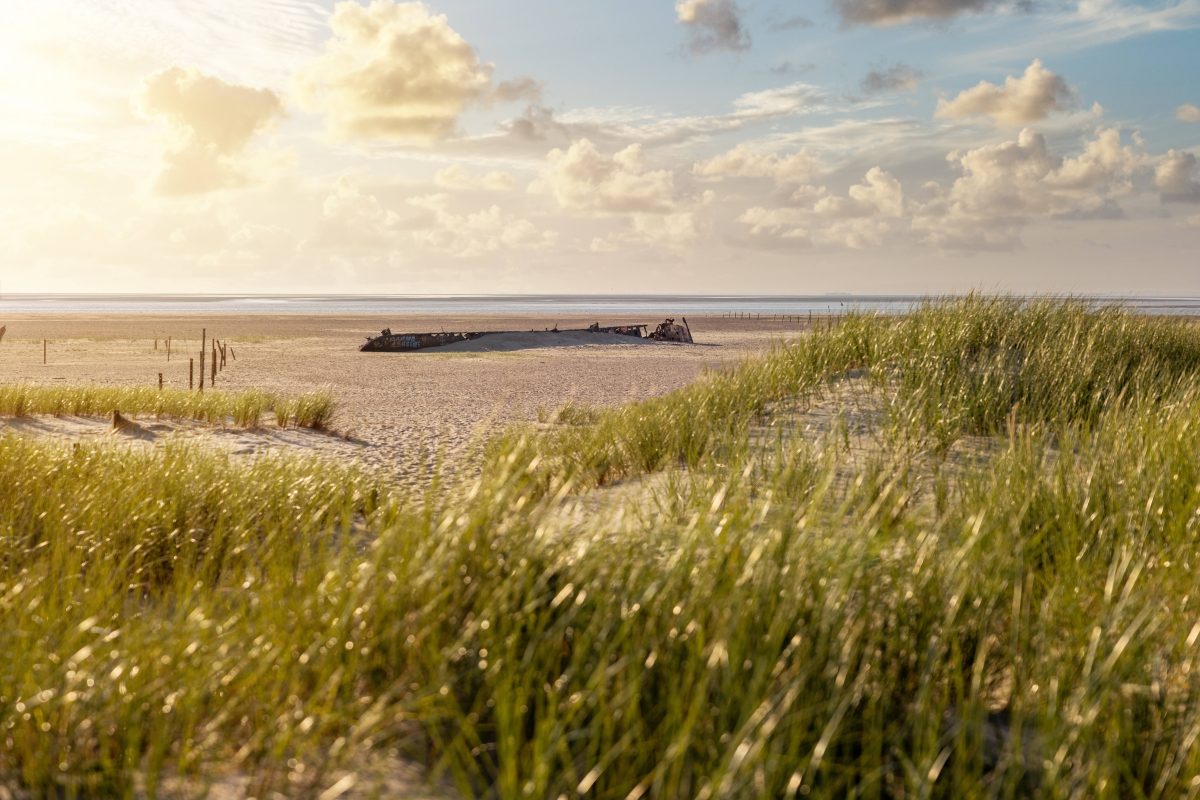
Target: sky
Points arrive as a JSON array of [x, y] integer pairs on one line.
[[624, 146]]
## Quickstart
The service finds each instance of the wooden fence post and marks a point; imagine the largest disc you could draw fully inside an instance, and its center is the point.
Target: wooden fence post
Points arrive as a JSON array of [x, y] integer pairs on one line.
[[212, 376], [203, 354], [160, 381], [191, 373]]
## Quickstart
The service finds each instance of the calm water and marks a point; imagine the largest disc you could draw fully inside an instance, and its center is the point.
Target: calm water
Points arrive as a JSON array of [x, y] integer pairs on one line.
[[592, 305]]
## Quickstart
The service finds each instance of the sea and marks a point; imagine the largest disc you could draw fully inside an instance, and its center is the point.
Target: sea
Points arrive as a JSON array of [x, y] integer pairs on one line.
[[548, 305]]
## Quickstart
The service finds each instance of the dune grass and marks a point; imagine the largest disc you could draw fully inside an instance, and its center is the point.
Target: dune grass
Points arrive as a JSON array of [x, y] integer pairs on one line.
[[245, 409], [966, 367], [773, 620]]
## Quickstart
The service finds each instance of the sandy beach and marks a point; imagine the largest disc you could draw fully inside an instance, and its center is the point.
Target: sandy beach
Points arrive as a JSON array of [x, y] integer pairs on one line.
[[397, 412]]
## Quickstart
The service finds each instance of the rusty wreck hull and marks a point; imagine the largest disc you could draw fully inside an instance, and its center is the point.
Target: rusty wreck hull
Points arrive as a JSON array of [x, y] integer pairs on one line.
[[407, 342], [402, 342]]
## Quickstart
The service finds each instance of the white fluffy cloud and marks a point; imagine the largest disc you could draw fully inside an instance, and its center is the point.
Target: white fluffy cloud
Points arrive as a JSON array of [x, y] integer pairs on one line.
[[584, 179], [395, 71], [671, 232], [1004, 186], [1001, 189], [352, 219], [1029, 98], [713, 24], [211, 125], [744, 161], [1188, 112], [1178, 177], [868, 215], [356, 221], [476, 233]]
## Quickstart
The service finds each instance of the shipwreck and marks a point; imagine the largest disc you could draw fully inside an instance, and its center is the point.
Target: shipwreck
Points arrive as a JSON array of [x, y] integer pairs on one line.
[[388, 342]]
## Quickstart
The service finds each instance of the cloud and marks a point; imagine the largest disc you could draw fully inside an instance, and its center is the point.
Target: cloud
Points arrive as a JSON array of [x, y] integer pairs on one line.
[[893, 12], [745, 162], [781, 101], [357, 222], [523, 88], [351, 219], [457, 177], [397, 72], [1188, 113], [1177, 177], [879, 194], [1001, 189], [868, 215], [1029, 98], [898, 78], [583, 179], [1071, 27], [779, 22], [1004, 186], [713, 25], [476, 233], [672, 232], [212, 123], [539, 127]]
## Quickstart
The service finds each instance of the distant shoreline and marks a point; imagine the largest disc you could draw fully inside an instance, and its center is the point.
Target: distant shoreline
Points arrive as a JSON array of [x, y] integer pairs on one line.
[[518, 305]]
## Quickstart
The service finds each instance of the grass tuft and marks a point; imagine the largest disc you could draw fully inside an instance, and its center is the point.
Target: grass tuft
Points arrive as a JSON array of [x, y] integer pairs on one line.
[[245, 409]]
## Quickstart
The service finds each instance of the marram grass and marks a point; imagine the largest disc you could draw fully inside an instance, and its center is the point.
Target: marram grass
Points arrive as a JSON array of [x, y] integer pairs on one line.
[[246, 409], [776, 620]]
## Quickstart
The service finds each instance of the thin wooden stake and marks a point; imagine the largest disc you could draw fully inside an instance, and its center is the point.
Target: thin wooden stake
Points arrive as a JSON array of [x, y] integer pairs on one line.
[[191, 373], [203, 353], [160, 381], [213, 373]]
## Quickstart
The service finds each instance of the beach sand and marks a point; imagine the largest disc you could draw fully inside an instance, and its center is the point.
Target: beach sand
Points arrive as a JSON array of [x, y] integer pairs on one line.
[[397, 412]]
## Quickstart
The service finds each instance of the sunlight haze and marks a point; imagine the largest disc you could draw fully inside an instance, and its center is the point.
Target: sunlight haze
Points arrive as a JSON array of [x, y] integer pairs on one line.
[[700, 146]]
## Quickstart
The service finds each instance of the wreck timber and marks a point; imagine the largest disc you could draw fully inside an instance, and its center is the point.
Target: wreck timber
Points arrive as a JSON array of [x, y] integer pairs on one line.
[[388, 342], [670, 331]]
